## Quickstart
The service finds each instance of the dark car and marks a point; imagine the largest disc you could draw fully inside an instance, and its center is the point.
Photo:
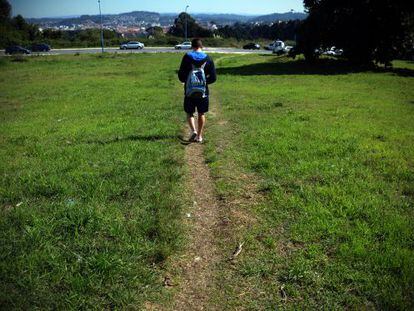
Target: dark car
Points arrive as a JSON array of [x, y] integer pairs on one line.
[[252, 46], [41, 47], [16, 49]]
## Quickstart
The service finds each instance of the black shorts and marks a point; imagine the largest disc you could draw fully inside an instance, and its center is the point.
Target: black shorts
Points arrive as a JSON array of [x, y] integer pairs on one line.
[[190, 105]]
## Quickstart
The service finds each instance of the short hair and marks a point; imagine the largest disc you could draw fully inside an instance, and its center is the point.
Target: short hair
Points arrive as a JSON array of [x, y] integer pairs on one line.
[[196, 43]]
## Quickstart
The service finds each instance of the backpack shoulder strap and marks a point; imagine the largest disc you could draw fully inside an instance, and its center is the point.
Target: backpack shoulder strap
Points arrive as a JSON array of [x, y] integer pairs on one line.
[[199, 67]]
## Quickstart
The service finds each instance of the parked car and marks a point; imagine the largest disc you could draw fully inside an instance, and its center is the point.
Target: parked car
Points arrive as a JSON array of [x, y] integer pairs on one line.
[[40, 47], [273, 45], [333, 51], [16, 49], [339, 52], [183, 46], [252, 46], [280, 48], [132, 45]]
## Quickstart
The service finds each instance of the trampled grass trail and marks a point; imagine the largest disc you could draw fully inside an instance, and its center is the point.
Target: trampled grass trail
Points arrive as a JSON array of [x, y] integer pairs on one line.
[[212, 242], [199, 262]]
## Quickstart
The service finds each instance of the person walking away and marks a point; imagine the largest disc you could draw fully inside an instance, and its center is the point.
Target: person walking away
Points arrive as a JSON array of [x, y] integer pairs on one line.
[[197, 71]]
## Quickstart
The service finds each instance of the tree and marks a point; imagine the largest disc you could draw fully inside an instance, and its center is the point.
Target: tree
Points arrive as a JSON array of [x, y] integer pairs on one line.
[[27, 31], [15, 30], [278, 30], [367, 30], [193, 29], [19, 23], [5, 11], [155, 31]]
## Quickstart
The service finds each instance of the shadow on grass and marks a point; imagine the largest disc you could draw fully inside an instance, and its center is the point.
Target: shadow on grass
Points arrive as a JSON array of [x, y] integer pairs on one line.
[[145, 138], [301, 67]]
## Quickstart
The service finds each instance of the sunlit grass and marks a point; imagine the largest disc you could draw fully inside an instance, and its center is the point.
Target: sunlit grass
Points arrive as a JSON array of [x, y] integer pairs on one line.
[[333, 149], [90, 180]]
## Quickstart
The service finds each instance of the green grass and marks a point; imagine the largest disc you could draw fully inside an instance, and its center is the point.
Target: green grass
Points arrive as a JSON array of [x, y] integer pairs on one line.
[[90, 180], [333, 151], [91, 187]]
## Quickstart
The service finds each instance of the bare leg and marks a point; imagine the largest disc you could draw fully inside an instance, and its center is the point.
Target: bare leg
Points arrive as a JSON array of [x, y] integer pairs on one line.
[[191, 122], [201, 123]]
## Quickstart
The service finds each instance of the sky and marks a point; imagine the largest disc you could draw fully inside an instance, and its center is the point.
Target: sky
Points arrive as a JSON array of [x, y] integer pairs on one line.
[[57, 8]]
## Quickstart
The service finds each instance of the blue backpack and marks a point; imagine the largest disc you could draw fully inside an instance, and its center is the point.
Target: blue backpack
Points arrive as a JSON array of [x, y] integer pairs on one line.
[[196, 86]]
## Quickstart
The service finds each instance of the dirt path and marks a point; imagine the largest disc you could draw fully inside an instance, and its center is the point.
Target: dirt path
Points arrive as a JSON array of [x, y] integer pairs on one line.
[[198, 263], [197, 268]]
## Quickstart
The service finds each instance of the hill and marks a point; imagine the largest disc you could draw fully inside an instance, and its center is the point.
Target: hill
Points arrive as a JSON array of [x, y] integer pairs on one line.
[[223, 19], [278, 17], [138, 18], [130, 18]]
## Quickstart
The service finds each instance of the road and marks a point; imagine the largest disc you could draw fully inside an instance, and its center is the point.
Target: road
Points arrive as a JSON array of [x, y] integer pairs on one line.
[[147, 50]]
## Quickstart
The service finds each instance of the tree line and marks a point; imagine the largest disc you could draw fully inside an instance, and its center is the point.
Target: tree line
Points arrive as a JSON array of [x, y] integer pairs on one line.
[[240, 31], [368, 31], [278, 30]]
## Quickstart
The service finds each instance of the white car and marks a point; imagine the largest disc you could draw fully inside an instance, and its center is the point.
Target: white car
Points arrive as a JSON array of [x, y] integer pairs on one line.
[[183, 46], [279, 47], [273, 45], [132, 45], [333, 51]]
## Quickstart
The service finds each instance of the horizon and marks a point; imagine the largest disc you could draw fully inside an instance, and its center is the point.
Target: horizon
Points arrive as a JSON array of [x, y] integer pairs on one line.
[[162, 13], [76, 8]]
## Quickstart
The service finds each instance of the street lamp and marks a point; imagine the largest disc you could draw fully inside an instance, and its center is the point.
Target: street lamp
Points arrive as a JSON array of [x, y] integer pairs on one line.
[[293, 11], [102, 36], [186, 21]]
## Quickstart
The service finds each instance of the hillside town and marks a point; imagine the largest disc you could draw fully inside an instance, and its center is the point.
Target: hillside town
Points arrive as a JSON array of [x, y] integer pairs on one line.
[[137, 23]]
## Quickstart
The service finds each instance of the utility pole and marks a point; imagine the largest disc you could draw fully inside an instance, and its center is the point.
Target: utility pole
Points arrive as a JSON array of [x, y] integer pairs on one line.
[[186, 22], [102, 35]]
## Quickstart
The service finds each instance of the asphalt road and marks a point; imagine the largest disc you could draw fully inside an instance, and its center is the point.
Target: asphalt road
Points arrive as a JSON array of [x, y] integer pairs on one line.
[[147, 50]]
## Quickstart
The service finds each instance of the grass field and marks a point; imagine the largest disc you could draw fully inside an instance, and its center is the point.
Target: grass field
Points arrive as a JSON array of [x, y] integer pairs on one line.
[[90, 180], [333, 152], [92, 191]]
